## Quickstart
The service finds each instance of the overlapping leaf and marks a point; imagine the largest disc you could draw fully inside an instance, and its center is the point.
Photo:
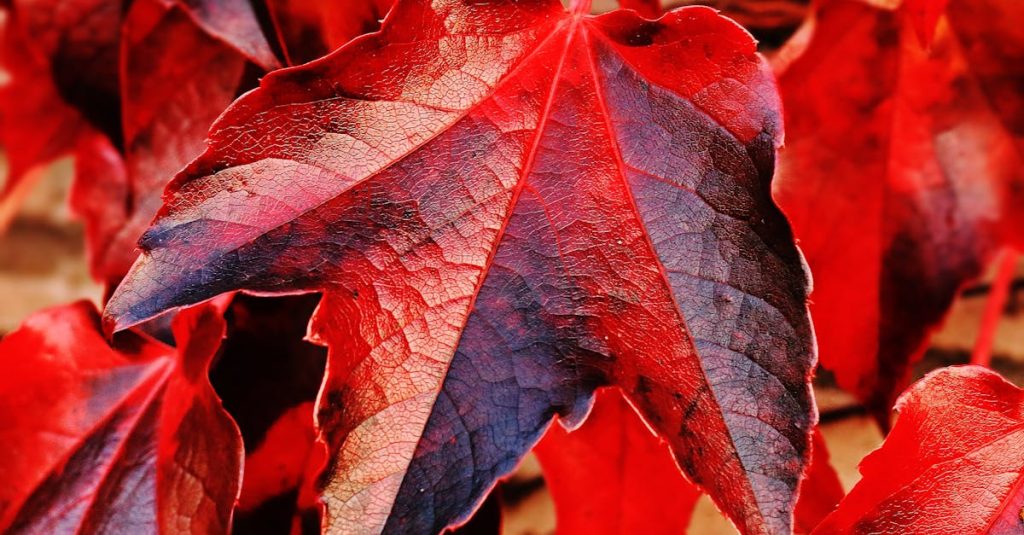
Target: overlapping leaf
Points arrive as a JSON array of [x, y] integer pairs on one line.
[[903, 174], [77, 43], [122, 439], [507, 205], [234, 22], [177, 80], [953, 463], [312, 28], [614, 476], [820, 491], [29, 96], [164, 71]]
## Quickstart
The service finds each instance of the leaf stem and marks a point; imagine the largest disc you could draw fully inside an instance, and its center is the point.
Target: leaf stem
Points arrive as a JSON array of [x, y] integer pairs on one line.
[[997, 297]]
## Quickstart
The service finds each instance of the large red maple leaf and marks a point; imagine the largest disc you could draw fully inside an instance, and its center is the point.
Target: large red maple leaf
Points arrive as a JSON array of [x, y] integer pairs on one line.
[[128, 438], [902, 173], [507, 205], [953, 463]]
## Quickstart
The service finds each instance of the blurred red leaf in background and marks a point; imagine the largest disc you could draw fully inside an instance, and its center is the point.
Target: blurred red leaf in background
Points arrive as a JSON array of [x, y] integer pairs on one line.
[[902, 174]]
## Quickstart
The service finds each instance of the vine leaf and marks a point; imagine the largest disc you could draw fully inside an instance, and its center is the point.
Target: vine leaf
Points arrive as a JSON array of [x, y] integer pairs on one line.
[[613, 476], [958, 441], [507, 205], [130, 91], [177, 80]]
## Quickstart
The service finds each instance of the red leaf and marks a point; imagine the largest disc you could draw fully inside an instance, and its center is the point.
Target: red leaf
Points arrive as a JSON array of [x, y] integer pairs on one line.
[[312, 28], [952, 464], [60, 64], [123, 439], [234, 22], [276, 467], [99, 198], [177, 80], [77, 43], [613, 475], [36, 126], [902, 175], [506, 206]]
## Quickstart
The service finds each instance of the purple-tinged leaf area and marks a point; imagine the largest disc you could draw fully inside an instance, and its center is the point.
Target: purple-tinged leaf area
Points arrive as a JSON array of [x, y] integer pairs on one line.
[[235, 23], [507, 206]]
